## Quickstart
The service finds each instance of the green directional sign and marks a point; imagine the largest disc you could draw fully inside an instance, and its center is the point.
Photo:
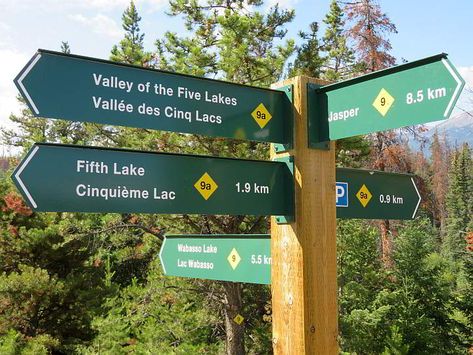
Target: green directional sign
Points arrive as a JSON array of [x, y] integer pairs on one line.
[[375, 195], [417, 92], [71, 87], [82, 179], [237, 258]]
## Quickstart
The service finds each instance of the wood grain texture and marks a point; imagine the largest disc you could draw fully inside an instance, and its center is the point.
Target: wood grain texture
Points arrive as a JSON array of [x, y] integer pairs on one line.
[[304, 272]]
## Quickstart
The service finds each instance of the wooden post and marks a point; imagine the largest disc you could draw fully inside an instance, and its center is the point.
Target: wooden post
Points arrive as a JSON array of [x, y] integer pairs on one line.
[[304, 270]]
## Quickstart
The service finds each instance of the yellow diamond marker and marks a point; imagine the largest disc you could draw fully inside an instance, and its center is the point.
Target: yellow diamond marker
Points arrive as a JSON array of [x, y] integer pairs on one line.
[[364, 195], [238, 319], [234, 258], [383, 102], [206, 186], [261, 115]]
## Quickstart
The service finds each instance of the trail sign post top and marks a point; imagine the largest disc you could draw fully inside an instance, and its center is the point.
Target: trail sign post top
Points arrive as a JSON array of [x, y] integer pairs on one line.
[[413, 93], [77, 88], [82, 179]]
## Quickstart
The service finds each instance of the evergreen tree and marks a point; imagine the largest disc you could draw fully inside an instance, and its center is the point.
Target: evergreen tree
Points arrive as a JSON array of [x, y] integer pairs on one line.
[[308, 61], [363, 322], [131, 48], [440, 165], [368, 28], [230, 40], [340, 58], [465, 287], [459, 202], [334, 66], [49, 291], [423, 299], [234, 42], [161, 315], [65, 48]]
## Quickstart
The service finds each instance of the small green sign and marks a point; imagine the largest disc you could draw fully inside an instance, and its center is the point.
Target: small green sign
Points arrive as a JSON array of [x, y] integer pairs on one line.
[[413, 93], [375, 195], [83, 179], [237, 258], [76, 88]]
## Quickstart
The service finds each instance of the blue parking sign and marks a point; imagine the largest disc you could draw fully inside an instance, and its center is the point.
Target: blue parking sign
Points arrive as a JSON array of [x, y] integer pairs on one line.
[[341, 194]]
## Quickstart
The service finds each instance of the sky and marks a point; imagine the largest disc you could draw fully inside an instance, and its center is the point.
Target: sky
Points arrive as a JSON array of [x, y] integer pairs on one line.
[[92, 27]]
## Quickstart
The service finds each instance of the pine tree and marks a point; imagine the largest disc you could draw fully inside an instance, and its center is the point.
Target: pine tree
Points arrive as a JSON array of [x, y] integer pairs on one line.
[[440, 164], [459, 203], [65, 48], [340, 58], [131, 48], [423, 298], [360, 280], [466, 286], [337, 64], [231, 41], [308, 60], [48, 290], [368, 29]]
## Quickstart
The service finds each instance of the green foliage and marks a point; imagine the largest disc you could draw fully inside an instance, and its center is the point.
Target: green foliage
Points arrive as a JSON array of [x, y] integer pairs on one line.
[[459, 202], [465, 295], [409, 309], [424, 292], [358, 266], [53, 281], [25, 297], [91, 283], [361, 281], [229, 41], [340, 58], [309, 61], [161, 313], [395, 343], [130, 50], [352, 152], [14, 343]]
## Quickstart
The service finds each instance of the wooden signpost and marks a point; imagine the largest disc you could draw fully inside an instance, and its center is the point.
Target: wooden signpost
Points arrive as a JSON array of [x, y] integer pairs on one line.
[[303, 186], [304, 262]]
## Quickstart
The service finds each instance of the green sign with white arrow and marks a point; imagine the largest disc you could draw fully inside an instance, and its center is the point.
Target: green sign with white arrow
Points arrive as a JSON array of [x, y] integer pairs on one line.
[[71, 87], [237, 258], [82, 179], [375, 195], [413, 93]]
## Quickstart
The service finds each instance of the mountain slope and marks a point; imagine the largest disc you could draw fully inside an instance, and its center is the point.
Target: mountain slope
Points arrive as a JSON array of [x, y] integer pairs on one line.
[[458, 129]]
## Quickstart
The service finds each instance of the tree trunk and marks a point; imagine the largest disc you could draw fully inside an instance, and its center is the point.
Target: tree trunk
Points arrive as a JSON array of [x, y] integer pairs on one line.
[[235, 342]]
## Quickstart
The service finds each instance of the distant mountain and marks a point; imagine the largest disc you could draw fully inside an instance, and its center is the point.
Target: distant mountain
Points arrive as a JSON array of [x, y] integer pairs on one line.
[[457, 130]]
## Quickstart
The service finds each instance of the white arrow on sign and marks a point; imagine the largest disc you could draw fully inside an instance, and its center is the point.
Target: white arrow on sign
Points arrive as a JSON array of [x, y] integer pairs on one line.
[[459, 81], [418, 194], [20, 182], [22, 87]]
